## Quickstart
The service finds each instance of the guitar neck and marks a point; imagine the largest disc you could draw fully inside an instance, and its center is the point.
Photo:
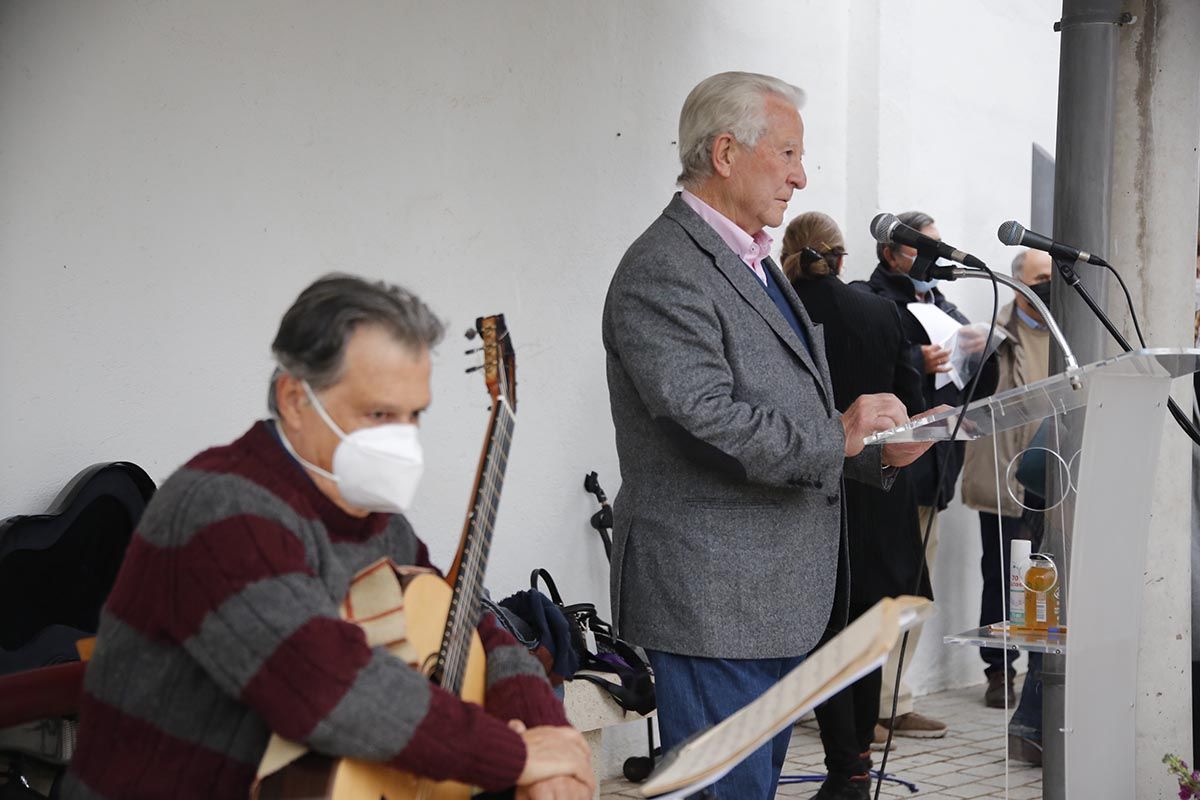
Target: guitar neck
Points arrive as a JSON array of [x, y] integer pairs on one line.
[[470, 563]]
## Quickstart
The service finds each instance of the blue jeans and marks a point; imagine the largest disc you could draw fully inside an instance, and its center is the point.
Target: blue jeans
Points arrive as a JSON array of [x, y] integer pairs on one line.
[[1026, 721], [695, 693]]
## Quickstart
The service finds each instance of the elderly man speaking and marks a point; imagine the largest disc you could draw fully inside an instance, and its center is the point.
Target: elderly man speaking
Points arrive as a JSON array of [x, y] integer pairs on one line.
[[729, 558]]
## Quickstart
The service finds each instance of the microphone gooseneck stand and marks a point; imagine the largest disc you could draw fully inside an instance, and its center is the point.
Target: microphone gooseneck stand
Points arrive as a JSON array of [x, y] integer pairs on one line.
[[1028, 294]]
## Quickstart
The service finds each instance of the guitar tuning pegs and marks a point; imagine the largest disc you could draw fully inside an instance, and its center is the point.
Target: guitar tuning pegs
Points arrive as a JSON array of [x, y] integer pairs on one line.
[[475, 368], [472, 350], [470, 334]]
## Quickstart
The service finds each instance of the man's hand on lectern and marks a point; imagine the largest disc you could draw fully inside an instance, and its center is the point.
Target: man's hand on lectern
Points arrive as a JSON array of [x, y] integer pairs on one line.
[[901, 454], [871, 413]]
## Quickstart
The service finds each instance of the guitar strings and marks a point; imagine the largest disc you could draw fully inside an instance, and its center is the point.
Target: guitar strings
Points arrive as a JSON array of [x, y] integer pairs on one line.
[[487, 507], [487, 503], [472, 579], [473, 574], [460, 626]]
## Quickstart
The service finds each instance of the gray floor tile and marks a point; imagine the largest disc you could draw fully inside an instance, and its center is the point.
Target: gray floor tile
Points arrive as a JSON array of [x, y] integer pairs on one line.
[[967, 790]]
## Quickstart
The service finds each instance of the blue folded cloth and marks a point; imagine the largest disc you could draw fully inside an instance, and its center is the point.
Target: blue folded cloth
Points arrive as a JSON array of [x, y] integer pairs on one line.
[[547, 622]]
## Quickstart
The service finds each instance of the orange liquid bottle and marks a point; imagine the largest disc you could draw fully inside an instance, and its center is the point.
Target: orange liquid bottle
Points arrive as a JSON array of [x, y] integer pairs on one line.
[[1041, 592]]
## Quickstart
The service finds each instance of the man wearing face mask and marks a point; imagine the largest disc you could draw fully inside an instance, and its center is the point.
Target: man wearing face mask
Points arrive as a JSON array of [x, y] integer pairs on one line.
[[223, 625], [1022, 358], [891, 280]]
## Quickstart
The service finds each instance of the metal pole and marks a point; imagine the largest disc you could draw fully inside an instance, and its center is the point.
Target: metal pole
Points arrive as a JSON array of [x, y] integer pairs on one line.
[[1082, 197]]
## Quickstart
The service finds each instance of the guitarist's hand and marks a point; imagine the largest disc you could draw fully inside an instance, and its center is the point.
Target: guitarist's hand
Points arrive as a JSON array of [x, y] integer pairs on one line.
[[560, 788], [552, 751]]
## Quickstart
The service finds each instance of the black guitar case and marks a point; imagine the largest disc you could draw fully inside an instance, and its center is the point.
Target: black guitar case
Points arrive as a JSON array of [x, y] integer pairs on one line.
[[57, 568]]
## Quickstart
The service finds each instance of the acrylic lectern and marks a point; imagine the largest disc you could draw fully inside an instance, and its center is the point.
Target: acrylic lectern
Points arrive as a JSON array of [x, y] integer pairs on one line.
[[1103, 439]]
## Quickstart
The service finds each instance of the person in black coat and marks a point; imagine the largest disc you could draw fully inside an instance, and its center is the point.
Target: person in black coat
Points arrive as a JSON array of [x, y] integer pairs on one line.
[[864, 347], [891, 281]]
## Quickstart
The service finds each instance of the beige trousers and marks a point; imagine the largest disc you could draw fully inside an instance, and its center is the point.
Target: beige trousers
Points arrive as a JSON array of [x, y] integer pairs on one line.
[[905, 702]]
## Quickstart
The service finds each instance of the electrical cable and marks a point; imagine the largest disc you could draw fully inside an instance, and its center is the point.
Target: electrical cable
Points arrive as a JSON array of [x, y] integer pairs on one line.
[[1176, 412], [1128, 301]]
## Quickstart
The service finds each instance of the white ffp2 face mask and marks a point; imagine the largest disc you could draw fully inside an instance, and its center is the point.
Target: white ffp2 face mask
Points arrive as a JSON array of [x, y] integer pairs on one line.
[[375, 469]]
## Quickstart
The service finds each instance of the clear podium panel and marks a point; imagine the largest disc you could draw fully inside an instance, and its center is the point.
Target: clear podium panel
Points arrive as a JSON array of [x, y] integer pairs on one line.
[[1122, 434], [1092, 453], [1017, 639], [1057, 394]]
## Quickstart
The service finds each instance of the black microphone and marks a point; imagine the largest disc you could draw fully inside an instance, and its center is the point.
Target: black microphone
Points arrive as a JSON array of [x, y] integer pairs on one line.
[[888, 229], [1014, 234], [925, 267]]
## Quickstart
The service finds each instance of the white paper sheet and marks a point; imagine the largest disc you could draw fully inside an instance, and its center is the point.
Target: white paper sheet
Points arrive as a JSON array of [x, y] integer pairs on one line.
[[942, 330], [950, 334]]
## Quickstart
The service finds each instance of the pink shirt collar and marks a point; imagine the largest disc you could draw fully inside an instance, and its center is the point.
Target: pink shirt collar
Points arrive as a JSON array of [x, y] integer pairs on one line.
[[750, 249]]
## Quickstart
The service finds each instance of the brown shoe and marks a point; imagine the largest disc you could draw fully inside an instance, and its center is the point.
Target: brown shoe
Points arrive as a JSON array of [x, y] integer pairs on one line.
[[880, 740], [916, 726], [996, 689]]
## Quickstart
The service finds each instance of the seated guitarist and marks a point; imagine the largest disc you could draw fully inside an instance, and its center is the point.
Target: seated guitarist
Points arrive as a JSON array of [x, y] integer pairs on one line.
[[223, 625]]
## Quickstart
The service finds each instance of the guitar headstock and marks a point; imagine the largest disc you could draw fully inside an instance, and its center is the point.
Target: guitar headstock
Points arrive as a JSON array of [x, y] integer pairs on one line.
[[499, 359]]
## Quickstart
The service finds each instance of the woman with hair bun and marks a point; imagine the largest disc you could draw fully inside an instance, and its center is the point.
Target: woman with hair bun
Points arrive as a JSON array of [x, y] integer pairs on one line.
[[813, 247], [864, 344]]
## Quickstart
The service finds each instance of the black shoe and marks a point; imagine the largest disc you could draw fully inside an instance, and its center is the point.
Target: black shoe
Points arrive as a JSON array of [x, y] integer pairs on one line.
[[1022, 749], [840, 787], [997, 688], [865, 764]]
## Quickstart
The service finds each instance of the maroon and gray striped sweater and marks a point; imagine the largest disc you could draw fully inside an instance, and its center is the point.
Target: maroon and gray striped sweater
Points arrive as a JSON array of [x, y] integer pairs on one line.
[[223, 626]]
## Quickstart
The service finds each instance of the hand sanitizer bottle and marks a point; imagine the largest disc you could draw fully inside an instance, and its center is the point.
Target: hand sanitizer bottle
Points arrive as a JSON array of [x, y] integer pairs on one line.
[[1019, 551]]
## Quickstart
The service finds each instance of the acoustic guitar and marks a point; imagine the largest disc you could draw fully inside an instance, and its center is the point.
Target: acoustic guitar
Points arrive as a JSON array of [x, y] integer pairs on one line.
[[440, 614]]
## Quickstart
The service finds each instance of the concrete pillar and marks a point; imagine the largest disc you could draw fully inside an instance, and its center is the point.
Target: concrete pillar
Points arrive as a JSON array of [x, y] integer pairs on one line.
[[1152, 242]]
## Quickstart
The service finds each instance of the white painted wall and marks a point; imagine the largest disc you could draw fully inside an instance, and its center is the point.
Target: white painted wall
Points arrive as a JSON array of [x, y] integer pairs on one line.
[[944, 110], [171, 175]]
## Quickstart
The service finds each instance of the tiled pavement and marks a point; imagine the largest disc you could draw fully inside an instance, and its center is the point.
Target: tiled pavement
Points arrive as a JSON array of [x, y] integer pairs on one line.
[[967, 763]]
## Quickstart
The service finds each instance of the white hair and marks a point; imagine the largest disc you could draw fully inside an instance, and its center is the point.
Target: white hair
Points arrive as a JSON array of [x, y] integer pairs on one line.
[[1018, 263], [730, 102]]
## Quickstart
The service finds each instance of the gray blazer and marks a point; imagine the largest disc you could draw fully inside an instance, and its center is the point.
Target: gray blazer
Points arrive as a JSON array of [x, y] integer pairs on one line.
[[728, 539]]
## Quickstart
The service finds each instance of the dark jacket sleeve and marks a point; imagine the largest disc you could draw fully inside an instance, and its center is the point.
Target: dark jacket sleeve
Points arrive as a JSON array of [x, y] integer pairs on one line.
[[906, 383]]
